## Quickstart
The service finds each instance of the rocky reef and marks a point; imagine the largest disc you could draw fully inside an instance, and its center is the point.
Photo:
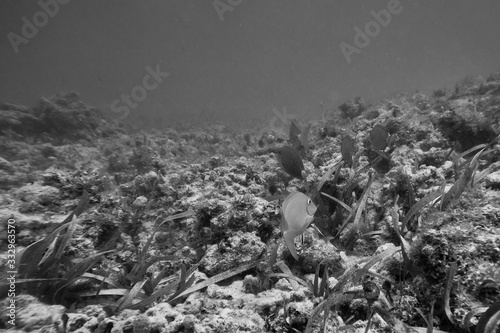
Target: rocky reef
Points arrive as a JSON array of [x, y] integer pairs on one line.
[[178, 230]]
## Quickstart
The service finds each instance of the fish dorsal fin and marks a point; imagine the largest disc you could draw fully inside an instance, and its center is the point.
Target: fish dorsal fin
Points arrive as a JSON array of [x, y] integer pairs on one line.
[[294, 130]]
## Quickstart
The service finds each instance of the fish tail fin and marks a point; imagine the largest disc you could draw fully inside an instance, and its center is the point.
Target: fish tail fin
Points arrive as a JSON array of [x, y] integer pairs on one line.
[[290, 243]]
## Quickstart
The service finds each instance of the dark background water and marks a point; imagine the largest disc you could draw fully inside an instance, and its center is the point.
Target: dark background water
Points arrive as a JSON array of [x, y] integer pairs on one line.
[[241, 64]]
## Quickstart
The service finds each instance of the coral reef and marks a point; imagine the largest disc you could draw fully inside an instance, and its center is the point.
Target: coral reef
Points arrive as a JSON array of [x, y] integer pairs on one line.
[[178, 230]]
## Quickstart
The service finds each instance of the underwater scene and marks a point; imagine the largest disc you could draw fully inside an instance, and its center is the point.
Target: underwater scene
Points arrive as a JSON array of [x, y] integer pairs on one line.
[[250, 166]]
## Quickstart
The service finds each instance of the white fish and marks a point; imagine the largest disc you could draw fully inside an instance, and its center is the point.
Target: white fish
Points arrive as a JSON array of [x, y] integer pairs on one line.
[[297, 213]]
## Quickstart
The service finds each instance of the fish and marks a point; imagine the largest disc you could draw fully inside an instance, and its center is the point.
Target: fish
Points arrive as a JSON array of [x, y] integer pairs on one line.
[[297, 213], [378, 137], [294, 130], [299, 139], [291, 162], [347, 149], [304, 139]]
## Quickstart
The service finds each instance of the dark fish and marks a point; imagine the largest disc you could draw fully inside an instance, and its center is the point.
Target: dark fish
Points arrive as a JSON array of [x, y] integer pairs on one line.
[[299, 139], [378, 137], [294, 130], [297, 213], [304, 138], [290, 160], [347, 149]]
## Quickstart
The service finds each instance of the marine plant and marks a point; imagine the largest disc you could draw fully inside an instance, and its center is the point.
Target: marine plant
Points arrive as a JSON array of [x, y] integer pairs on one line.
[[469, 175], [490, 320], [352, 277], [346, 208], [354, 213], [339, 220], [321, 289], [464, 87], [135, 278], [45, 270], [141, 290], [317, 289]]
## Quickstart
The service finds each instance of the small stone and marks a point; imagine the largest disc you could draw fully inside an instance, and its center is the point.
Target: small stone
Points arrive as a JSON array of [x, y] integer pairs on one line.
[[42, 194], [151, 176], [493, 180], [140, 202]]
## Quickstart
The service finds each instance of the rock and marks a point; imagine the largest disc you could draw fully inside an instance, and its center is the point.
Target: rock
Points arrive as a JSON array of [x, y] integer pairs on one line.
[[151, 176], [493, 180], [140, 202], [55, 177], [19, 122], [352, 108], [9, 180], [238, 249], [41, 194], [465, 127], [4, 106], [495, 76], [60, 116], [235, 320], [317, 251], [31, 314], [6, 165]]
